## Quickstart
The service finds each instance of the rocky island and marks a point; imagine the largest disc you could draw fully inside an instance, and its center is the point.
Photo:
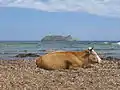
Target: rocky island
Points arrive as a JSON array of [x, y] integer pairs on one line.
[[57, 38]]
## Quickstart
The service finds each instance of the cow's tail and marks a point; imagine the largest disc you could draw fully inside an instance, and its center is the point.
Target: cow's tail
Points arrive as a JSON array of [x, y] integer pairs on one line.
[[38, 61]]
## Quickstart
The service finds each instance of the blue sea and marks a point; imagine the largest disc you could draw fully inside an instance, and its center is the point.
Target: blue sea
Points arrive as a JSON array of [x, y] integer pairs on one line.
[[8, 49]]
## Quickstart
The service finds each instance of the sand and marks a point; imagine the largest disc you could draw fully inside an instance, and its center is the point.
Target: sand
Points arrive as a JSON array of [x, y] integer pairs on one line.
[[24, 75]]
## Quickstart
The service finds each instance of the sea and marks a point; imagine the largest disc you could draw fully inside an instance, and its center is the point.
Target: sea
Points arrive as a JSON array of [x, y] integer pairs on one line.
[[9, 49]]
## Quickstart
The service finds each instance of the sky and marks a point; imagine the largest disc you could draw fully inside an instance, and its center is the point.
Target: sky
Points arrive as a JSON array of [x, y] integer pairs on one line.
[[83, 19]]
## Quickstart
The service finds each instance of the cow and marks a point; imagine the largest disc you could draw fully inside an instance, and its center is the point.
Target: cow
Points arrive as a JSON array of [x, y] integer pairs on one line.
[[68, 59]]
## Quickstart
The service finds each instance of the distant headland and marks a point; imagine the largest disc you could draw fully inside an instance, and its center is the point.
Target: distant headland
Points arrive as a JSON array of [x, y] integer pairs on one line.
[[58, 38]]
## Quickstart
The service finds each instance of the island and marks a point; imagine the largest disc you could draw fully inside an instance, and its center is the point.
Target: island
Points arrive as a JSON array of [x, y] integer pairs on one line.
[[57, 38]]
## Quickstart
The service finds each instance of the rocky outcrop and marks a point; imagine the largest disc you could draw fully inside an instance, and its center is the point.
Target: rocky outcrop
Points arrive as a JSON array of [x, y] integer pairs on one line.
[[27, 55]]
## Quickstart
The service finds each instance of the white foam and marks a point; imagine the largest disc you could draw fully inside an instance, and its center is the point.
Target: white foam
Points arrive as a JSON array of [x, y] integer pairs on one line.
[[118, 43], [106, 42]]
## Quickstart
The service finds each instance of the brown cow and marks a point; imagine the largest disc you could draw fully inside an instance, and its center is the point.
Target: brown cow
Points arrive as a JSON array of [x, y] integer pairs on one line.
[[68, 59]]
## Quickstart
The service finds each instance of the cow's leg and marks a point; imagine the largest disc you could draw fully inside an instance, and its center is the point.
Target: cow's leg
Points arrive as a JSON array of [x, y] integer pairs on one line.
[[73, 63], [74, 67], [87, 66], [69, 65]]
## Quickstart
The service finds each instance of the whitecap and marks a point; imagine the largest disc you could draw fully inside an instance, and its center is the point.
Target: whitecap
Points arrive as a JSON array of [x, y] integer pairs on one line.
[[118, 43], [106, 42]]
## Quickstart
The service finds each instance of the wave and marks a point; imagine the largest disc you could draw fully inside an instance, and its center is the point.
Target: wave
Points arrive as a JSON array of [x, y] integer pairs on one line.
[[118, 43], [106, 42]]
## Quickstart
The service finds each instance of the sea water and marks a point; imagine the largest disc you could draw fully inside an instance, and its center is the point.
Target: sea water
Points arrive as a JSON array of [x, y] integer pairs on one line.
[[12, 48]]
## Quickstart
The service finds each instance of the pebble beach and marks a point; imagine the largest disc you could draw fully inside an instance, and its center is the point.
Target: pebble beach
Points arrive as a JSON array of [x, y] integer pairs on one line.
[[24, 75]]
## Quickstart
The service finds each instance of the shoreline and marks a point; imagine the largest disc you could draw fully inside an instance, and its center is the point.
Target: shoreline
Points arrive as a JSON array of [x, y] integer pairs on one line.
[[23, 74], [33, 56]]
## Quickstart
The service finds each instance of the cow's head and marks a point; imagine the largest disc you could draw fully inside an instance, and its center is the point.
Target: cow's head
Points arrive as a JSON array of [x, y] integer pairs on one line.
[[93, 56]]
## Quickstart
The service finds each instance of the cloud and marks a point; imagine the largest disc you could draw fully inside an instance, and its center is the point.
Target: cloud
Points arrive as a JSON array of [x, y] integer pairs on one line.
[[109, 8]]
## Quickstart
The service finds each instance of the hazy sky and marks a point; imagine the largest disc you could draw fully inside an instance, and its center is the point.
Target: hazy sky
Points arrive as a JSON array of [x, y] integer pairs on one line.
[[83, 19]]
